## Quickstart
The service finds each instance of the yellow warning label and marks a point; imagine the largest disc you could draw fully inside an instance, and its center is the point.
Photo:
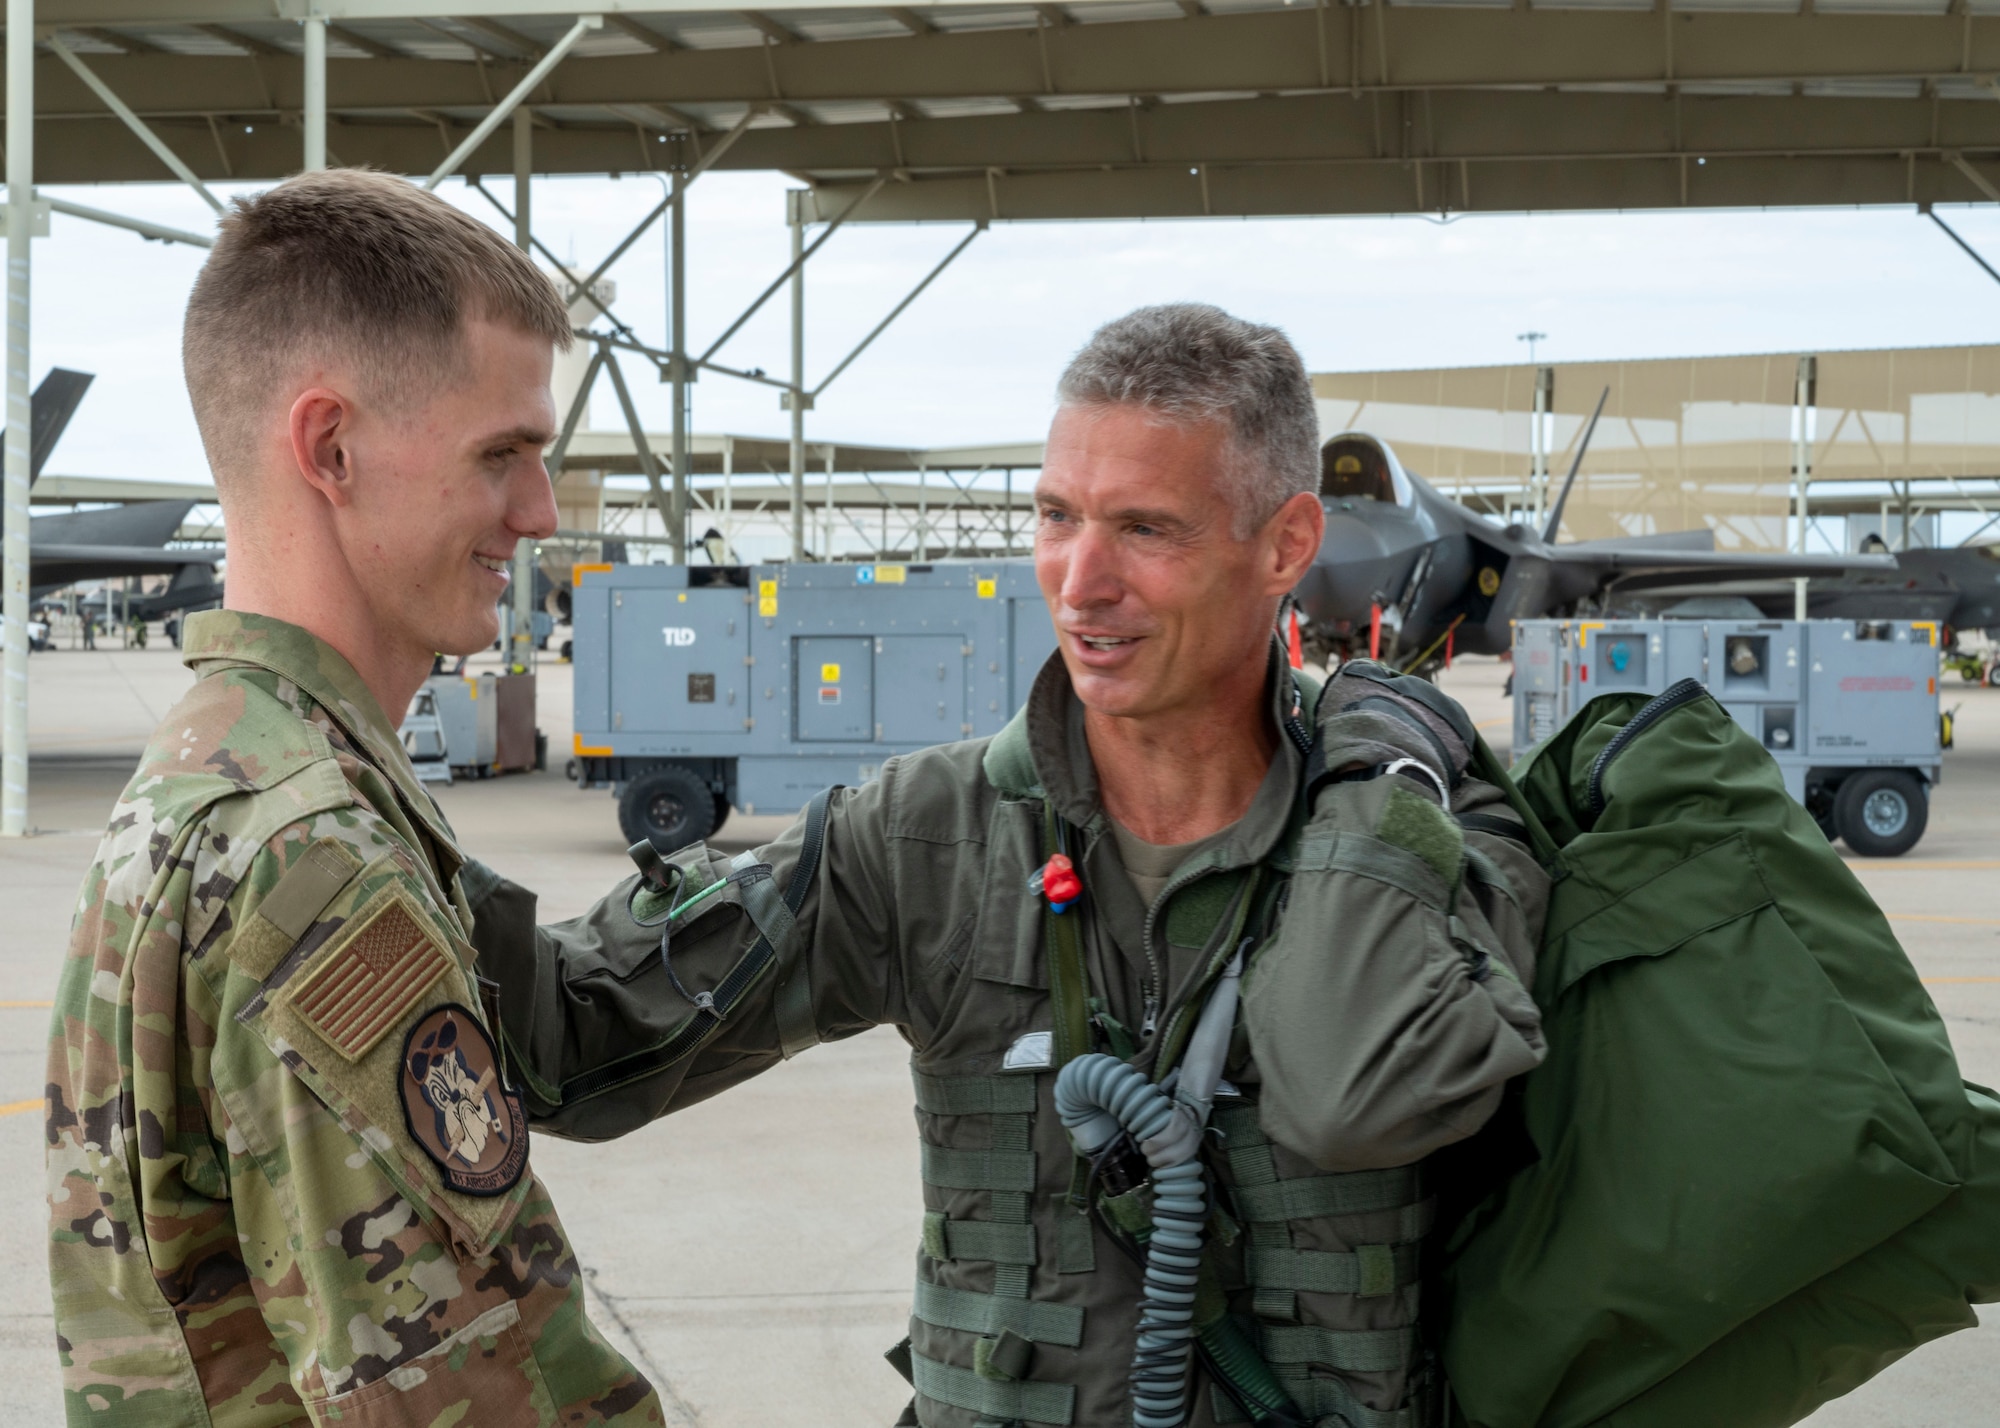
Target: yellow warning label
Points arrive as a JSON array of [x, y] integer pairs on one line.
[[988, 587], [891, 575], [829, 674], [682, 597], [767, 598]]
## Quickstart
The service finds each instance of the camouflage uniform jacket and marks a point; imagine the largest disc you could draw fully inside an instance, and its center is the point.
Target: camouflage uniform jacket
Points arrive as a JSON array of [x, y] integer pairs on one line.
[[288, 1180]]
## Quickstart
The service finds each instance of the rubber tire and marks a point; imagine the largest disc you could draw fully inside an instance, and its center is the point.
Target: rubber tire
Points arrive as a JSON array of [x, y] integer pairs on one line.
[[722, 812], [669, 806], [1853, 798]]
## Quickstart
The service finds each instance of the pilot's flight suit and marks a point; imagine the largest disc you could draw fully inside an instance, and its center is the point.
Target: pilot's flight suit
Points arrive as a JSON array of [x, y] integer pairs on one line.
[[1377, 1026]]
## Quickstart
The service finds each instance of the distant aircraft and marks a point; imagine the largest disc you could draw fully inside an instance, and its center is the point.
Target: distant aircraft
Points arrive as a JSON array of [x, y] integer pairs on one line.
[[1410, 572], [122, 540], [1959, 587]]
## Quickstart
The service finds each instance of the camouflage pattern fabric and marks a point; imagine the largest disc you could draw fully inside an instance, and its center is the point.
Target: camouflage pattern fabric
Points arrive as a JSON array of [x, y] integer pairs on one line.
[[266, 1205]]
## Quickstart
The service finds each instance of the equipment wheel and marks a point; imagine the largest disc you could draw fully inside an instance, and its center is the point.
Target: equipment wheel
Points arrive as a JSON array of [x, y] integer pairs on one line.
[[722, 812], [670, 807], [1881, 812]]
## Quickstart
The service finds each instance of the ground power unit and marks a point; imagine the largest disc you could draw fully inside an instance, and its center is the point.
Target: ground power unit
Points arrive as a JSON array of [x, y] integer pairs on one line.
[[702, 688], [1848, 709]]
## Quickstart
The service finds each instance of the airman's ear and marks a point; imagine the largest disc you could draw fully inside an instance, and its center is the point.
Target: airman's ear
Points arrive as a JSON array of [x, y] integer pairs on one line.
[[1294, 533], [321, 420]]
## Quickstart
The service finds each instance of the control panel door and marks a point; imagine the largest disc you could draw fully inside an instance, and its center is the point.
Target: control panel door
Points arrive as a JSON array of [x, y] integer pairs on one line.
[[920, 694], [834, 680], [677, 661]]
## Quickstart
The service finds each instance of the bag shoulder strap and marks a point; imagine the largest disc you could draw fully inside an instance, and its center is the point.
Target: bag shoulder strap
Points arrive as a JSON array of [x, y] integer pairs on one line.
[[778, 943]]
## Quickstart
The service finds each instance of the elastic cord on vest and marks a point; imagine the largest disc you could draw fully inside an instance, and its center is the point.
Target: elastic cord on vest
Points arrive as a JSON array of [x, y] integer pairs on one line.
[[1098, 1097]]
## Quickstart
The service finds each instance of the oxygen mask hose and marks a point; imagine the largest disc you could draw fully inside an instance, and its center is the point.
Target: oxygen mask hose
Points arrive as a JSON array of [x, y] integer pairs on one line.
[[1099, 1098]]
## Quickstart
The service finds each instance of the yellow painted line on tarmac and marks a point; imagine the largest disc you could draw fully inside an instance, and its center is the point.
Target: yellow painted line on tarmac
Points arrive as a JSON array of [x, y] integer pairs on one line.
[[43, 1005], [14, 1108], [1941, 917], [1491, 723]]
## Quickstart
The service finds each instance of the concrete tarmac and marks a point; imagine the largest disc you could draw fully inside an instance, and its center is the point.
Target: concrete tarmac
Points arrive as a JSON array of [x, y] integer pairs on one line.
[[754, 1253]]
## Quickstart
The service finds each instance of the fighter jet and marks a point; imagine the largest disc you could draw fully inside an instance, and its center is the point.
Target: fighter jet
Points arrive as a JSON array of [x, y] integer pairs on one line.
[[1407, 573], [93, 545], [1959, 587]]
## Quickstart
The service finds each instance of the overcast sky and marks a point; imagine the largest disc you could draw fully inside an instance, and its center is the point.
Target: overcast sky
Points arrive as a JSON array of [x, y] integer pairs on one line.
[[976, 357]]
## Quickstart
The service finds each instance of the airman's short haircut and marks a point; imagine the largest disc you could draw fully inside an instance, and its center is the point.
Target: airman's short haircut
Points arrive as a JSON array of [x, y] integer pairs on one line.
[[1194, 364], [345, 266]]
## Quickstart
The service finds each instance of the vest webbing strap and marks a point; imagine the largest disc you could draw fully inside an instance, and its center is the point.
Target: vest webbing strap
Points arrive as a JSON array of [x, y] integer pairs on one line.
[[945, 1308], [1348, 1350], [1001, 1170], [975, 1095], [978, 1239], [1364, 1192], [692, 1034], [1330, 1400], [1371, 1270], [996, 1398], [1069, 989]]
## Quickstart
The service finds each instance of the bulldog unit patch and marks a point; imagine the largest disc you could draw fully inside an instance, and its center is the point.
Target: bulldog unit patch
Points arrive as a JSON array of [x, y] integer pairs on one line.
[[456, 1107], [368, 980]]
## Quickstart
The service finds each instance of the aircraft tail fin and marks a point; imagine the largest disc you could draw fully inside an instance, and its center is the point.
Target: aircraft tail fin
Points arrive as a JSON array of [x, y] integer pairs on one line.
[[54, 403], [1576, 465]]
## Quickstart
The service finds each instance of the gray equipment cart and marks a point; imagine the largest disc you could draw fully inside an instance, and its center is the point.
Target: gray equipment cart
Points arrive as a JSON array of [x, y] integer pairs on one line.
[[1847, 708], [702, 688]]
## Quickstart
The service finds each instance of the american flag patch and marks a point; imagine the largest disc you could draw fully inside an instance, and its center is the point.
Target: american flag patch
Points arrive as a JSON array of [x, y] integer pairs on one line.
[[367, 981]]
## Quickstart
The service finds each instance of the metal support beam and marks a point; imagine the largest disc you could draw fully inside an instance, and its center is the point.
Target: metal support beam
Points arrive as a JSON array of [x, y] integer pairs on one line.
[[583, 26], [131, 121], [702, 166], [795, 398], [648, 462], [799, 256], [1807, 393], [315, 86], [579, 404], [677, 370], [145, 228], [521, 633], [1970, 251], [897, 311], [14, 537]]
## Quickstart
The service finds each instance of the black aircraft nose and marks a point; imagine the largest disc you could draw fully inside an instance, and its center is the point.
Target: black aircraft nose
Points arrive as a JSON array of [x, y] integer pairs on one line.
[[1349, 539]]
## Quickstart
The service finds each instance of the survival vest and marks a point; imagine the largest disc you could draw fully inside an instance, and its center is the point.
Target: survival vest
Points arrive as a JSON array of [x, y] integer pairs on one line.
[[1311, 1292], [1758, 1177]]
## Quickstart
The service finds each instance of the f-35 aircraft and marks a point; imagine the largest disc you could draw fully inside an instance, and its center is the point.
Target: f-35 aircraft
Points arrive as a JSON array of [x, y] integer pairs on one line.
[[1403, 568], [121, 540]]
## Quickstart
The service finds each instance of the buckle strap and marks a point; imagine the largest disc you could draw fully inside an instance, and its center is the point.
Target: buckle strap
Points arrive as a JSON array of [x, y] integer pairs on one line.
[[975, 1095], [1360, 1192], [994, 1398], [1348, 1350], [1369, 1271], [943, 1307], [997, 1170], [949, 1239]]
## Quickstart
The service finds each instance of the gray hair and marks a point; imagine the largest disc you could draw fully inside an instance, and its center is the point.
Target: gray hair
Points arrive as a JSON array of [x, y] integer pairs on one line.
[[1192, 364]]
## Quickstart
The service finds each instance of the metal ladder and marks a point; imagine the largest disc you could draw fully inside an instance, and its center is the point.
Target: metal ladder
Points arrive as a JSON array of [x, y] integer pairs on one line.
[[423, 737]]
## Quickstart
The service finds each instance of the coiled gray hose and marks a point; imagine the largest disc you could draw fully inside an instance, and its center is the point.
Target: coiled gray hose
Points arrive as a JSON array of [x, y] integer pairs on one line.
[[1099, 1096]]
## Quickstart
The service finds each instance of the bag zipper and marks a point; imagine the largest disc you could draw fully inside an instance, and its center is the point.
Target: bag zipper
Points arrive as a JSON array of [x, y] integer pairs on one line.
[[1685, 692]]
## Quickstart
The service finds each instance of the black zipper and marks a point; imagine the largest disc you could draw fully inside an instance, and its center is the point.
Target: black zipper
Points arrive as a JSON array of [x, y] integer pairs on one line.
[[1656, 709]]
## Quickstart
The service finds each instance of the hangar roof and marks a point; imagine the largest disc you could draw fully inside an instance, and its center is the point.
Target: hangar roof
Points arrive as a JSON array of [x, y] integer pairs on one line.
[[1091, 109]]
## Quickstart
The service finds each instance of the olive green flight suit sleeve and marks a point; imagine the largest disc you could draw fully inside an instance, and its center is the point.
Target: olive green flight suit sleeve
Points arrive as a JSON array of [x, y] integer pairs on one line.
[[1391, 1007], [590, 1008]]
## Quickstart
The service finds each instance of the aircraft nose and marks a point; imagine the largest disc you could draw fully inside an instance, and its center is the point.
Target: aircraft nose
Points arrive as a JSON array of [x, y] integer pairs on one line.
[[1349, 540]]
